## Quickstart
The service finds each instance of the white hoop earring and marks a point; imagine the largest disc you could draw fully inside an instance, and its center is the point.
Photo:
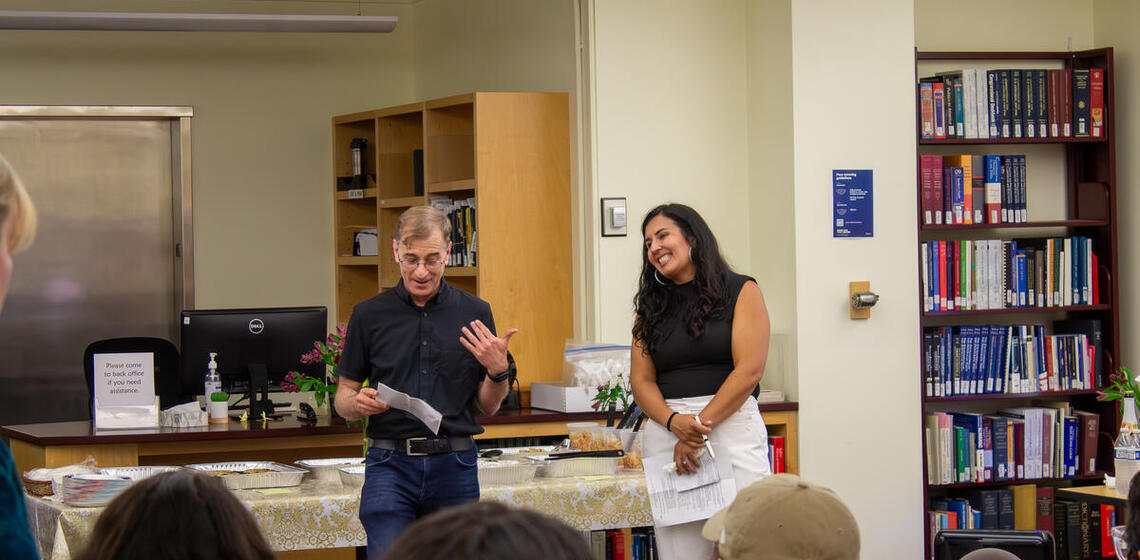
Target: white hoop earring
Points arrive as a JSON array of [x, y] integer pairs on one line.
[[657, 277]]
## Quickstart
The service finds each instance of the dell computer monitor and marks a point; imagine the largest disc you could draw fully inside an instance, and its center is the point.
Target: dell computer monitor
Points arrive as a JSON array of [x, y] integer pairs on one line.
[[255, 347]]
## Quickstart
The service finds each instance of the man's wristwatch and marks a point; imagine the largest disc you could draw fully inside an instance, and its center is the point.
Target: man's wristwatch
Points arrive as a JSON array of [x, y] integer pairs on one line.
[[501, 377], [512, 370]]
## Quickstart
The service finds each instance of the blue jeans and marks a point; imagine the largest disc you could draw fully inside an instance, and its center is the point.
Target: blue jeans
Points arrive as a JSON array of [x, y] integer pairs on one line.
[[398, 489]]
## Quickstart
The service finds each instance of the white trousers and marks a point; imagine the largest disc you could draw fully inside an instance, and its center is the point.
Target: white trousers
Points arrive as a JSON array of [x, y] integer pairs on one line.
[[745, 438]]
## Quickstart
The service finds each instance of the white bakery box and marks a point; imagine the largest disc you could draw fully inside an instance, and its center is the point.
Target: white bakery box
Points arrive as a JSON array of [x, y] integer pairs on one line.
[[562, 397]]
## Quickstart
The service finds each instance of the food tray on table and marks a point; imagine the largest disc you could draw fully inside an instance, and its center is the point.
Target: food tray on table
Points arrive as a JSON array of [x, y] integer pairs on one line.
[[351, 476], [583, 463], [506, 469], [328, 470], [137, 473], [238, 475]]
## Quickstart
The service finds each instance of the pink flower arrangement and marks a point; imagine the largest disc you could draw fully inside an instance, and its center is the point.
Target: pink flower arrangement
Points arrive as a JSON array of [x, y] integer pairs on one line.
[[326, 352]]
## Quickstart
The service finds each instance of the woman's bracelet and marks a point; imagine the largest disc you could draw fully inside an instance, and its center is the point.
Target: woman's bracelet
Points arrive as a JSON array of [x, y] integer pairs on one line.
[[669, 422]]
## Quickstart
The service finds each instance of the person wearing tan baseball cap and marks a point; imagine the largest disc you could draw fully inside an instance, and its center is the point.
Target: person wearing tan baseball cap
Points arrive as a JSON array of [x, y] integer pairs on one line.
[[783, 517]]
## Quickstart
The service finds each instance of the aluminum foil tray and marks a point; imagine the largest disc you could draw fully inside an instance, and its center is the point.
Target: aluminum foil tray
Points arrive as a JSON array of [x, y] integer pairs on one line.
[[137, 473], [352, 477], [506, 470], [327, 470], [581, 466], [234, 474]]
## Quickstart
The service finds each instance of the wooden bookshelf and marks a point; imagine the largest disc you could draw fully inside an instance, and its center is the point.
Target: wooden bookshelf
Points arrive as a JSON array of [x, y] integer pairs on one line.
[[1079, 199], [510, 153]]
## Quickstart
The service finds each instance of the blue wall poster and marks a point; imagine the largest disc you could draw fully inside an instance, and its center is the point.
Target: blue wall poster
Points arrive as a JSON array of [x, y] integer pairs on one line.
[[852, 193]]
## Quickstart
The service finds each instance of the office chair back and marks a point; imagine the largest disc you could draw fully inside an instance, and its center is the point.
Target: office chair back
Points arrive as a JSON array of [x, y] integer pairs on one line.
[[167, 366]]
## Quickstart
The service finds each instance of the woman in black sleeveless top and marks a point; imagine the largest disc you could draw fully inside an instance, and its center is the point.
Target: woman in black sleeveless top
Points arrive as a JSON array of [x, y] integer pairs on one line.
[[700, 341]]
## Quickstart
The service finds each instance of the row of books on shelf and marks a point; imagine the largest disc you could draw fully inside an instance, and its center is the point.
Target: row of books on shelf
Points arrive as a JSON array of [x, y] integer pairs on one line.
[[1026, 443], [461, 214], [1012, 359], [1080, 529], [637, 543], [1013, 103], [984, 274], [973, 189]]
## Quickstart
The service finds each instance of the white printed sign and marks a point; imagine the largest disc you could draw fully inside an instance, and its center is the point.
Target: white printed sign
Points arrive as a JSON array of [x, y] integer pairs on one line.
[[124, 390]]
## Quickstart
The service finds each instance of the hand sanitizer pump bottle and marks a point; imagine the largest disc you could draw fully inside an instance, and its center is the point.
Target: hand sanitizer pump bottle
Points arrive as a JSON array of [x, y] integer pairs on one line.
[[213, 382], [1127, 446]]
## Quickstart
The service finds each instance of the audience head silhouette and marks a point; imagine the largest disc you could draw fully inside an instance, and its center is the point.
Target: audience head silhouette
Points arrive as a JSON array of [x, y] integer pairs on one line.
[[177, 515], [489, 531]]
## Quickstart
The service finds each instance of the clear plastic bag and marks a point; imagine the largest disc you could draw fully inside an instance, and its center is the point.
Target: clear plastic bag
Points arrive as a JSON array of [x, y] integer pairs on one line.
[[589, 364]]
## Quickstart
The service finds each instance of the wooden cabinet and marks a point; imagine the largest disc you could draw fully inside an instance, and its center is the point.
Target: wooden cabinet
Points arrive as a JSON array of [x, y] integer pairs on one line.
[[1071, 193], [507, 152]]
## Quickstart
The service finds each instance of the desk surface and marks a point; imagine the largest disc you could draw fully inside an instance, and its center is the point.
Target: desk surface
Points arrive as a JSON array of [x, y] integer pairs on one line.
[[1099, 494], [82, 432]]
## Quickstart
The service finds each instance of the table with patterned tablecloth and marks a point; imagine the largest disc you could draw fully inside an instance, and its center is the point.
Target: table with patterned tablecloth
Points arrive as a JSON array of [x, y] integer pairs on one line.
[[319, 515]]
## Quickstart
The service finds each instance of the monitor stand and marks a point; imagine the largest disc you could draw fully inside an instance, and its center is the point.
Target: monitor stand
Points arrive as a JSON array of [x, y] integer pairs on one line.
[[259, 393]]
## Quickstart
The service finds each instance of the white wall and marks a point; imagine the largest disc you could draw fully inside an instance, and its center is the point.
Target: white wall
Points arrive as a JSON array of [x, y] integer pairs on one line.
[[670, 104], [860, 416], [1018, 25], [493, 45], [771, 181], [1115, 26], [262, 107]]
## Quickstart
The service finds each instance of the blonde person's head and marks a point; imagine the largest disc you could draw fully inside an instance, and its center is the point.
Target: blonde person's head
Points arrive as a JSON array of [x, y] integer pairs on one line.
[[420, 223], [17, 213]]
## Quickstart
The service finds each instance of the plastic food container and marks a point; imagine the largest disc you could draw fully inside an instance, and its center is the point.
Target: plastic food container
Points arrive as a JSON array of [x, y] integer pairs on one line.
[[512, 470], [352, 477], [238, 475], [584, 435], [633, 452], [137, 473], [327, 470], [611, 438]]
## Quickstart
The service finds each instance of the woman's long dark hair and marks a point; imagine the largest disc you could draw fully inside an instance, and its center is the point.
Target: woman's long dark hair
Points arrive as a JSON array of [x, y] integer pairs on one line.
[[651, 305], [177, 515]]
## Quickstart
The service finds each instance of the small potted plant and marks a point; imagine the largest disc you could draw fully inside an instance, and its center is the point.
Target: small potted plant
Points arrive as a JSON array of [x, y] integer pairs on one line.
[[325, 352], [1120, 384], [613, 394]]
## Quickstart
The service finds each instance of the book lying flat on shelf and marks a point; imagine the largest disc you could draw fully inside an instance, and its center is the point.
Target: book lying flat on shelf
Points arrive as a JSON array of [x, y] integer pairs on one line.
[[769, 396]]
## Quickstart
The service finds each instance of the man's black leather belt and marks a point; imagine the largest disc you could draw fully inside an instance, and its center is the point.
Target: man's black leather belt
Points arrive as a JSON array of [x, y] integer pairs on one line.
[[425, 446]]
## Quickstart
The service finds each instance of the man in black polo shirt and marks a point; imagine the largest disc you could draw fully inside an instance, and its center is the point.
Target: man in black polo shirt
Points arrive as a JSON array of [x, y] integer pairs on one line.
[[434, 343]]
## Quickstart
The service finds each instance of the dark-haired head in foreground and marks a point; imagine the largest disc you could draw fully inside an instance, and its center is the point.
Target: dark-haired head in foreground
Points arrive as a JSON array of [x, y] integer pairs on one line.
[[489, 531], [178, 515]]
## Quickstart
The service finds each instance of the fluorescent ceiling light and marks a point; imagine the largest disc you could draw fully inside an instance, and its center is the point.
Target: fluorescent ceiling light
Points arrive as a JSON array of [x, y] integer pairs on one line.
[[135, 21]]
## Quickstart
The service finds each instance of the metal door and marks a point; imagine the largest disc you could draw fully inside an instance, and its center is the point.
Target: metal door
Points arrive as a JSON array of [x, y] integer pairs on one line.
[[111, 256]]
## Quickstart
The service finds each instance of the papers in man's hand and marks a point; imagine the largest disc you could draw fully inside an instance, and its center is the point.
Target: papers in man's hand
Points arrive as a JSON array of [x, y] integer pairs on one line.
[[672, 506], [416, 407]]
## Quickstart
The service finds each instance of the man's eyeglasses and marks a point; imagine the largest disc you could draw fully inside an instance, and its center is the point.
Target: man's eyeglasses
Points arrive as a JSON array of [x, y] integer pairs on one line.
[[411, 263]]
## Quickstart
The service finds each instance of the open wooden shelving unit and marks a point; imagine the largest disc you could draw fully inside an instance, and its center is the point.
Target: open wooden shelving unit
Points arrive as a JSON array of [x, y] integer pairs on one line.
[[508, 151]]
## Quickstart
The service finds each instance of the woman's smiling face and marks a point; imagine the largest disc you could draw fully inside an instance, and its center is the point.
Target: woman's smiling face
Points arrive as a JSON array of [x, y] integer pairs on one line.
[[668, 250]]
